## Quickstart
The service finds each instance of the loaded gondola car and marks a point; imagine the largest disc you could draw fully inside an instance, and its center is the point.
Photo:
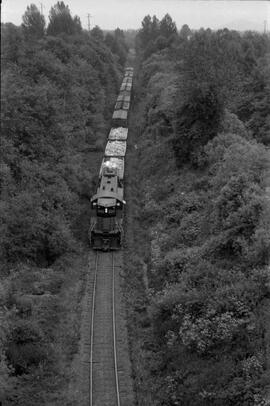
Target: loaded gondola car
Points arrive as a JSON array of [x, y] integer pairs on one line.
[[119, 133], [122, 104], [120, 118]]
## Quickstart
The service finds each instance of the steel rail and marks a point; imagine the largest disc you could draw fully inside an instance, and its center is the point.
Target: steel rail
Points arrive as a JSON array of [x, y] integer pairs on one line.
[[92, 334], [113, 331], [114, 334]]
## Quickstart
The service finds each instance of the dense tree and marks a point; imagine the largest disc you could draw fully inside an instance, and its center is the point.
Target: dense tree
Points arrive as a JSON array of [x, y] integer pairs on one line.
[[198, 121], [185, 32], [254, 105], [119, 34], [57, 96], [207, 225], [12, 43], [109, 40], [33, 22], [155, 35], [61, 21], [146, 30], [117, 44], [155, 28], [167, 26], [97, 33]]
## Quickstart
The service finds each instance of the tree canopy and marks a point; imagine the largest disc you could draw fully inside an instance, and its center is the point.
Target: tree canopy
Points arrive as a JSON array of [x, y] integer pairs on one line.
[[203, 229], [61, 21], [33, 22], [58, 90]]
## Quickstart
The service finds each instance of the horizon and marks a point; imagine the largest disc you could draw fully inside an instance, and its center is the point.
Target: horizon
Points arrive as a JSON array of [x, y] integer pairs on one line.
[[126, 14]]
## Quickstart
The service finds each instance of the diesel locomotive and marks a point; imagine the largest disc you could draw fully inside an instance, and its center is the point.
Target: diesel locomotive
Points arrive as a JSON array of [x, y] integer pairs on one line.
[[107, 205]]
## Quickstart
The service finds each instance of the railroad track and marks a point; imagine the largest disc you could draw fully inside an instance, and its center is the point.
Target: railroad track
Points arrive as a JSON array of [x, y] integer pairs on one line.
[[103, 368]]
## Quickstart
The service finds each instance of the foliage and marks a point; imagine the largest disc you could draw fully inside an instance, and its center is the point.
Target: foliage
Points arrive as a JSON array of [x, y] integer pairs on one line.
[[61, 21], [117, 44], [167, 26], [33, 22], [254, 109], [185, 32], [12, 43], [25, 348], [97, 33], [207, 216], [58, 91], [155, 35], [55, 97], [198, 121]]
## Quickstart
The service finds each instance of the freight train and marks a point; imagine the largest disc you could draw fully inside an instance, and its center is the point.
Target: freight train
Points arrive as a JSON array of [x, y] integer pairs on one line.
[[107, 205]]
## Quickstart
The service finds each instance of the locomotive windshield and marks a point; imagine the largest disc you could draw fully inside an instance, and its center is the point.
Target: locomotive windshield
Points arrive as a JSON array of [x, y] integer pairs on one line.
[[106, 207], [106, 211]]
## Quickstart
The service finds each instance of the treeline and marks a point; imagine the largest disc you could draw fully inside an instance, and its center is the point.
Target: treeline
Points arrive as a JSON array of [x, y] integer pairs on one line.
[[203, 123], [155, 35], [59, 85]]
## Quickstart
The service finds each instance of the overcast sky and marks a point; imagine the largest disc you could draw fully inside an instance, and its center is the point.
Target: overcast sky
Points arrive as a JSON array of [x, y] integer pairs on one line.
[[110, 14]]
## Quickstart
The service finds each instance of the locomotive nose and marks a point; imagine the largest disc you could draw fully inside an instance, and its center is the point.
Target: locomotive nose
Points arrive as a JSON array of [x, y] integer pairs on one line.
[[106, 244]]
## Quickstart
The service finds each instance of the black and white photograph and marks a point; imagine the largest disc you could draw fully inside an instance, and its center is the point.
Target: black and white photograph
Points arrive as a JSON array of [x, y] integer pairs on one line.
[[135, 203]]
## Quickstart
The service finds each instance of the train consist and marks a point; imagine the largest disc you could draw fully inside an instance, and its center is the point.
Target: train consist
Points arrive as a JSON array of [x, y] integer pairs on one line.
[[107, 205]]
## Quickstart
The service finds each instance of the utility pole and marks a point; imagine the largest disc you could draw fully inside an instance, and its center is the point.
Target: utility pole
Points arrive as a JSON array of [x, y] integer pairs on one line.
[[88, 17]]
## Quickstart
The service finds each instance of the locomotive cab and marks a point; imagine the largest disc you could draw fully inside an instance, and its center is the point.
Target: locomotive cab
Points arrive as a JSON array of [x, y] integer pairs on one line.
[[106, 206], [107, 212]]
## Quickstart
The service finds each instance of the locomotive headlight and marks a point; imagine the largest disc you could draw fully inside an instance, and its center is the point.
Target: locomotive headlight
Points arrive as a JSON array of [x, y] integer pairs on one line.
[[118, 204], [106, 210]]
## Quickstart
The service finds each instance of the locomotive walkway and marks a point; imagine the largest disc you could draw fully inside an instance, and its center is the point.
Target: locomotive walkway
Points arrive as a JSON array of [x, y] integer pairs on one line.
[[106, 369]]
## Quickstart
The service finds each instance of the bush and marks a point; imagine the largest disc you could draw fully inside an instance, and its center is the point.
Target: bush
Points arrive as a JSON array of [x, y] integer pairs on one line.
[[25, 347]]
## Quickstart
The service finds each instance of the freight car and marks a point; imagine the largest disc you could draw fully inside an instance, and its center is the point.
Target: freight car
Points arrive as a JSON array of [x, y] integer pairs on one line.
[[107, 205], [120, 118], [123, 103], [119, 134]]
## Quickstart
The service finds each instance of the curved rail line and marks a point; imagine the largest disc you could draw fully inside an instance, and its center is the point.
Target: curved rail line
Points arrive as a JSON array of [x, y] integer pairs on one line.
[[92, 331]]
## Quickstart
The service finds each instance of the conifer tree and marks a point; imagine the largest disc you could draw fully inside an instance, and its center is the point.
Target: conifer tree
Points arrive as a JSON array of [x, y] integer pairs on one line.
[[33, 22], [167, 26], [61, 20]]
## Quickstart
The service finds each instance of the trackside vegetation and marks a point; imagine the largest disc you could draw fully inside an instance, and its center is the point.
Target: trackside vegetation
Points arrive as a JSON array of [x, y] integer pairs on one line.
[[197, 243], [58, 88], [201, 125]]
